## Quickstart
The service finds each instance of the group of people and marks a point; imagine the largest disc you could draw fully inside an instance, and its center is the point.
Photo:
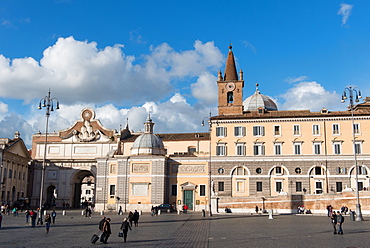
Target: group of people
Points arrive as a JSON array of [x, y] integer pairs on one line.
[[337, 220], [105, 229]]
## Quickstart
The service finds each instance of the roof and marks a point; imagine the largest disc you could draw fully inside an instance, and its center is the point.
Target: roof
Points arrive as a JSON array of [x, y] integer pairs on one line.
[[230, 69], [173, 136], [257, 100]]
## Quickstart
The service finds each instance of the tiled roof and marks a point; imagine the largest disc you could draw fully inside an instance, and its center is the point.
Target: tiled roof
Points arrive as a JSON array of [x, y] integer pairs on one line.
[[174, 136]]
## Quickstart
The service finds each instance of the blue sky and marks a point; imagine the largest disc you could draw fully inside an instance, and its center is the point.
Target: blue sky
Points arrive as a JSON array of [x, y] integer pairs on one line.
[[127, 58]]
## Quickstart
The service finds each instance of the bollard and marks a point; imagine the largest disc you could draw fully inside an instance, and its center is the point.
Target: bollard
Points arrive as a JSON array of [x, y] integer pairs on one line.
[[270, 214], [82, 213], [141, 212], [102, 212], [178, 211], [64, 212], [45, 212], [203, 213], [159, 212]]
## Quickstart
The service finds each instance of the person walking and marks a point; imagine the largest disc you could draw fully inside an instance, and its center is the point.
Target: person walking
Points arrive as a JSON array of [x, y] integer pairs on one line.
[[53, 215], [47, 222], [1, 219], [340, 220], [333, 219], [124, 227], [130, 217], [27, 213], [106, 230], [120, 212], [256, 209], [33, 215], [135, 218], [101, 224]]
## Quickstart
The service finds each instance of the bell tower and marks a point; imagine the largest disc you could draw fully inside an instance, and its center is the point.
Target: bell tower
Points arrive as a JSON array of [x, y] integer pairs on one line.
[[230, 88]]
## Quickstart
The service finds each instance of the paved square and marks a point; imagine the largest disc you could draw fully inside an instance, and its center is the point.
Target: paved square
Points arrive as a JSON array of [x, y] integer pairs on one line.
[[189, 230]]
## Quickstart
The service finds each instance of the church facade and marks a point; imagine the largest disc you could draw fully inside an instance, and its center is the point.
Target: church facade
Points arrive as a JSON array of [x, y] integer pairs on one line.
[[254, 155]]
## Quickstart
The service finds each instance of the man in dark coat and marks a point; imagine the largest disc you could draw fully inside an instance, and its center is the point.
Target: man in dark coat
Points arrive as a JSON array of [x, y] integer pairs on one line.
[[101, 223], [333, 219], [106, 230], [135, 218], [124, 227], [340, 220]]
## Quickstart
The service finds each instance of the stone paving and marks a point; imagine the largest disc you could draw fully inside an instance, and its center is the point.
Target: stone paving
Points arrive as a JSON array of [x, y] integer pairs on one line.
[[189, 230]]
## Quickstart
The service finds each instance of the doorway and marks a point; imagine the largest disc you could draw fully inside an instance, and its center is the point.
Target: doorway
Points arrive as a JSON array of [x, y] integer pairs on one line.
[[188, 199]]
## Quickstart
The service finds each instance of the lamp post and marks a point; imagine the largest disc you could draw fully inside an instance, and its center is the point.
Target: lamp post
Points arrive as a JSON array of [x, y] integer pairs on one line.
[[354, 94], [209, 163], [48, 103]]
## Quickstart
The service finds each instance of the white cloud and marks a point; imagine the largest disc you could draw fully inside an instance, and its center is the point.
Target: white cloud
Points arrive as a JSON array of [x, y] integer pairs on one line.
[[77, 71], [310, 96], [205, 83], [3, 108], [345, 11], [291, 80]]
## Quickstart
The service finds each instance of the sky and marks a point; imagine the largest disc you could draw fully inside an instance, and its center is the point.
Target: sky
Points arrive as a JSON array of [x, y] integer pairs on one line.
[[126, 59]]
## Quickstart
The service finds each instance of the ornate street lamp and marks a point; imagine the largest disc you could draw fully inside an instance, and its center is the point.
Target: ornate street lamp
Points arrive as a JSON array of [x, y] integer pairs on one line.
[[209, 164], [354, 95], [48, 103]]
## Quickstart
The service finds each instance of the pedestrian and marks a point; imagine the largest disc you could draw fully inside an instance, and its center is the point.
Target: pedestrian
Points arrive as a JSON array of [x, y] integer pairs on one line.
[[185, 209], [101, 224], [47, 222], [120, 212], [1, 219], [53, 215], [27, 215], [64, 205], [135, 218], [130, 216], [340, 220], [256, 209], [333, 219], [106, 231], [124, 227], [33, 215]]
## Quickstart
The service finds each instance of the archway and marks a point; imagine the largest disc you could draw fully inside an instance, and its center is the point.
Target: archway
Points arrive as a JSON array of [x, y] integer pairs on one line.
[[50, 196], [83, 188]]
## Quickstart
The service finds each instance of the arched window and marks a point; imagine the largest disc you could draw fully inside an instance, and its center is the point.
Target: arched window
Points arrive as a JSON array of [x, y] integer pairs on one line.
[[230, 97]]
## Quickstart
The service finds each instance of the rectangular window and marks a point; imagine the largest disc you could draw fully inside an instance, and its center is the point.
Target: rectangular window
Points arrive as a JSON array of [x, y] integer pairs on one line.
[[358, 148], [221, 186], [202, 190], [279, 186], [337, 148], [112, 169], [296, 130], [356, 128], [88, 192], [318, 170], [315, 129], [259, 186], [174, 189], [317, 148], [10, 173], [360, 186], [240, 186], [112, 190], [221, 150], [240, 149], [221, 131], [277, 148], [297, 148], [258, 131], [298, 186], [239, 131], [258, 149], [277, 131], [335, 128], [339, 186], [278, 170]]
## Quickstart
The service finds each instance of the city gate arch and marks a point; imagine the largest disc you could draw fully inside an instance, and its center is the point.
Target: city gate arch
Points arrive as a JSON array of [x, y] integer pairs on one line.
[[80, 178]]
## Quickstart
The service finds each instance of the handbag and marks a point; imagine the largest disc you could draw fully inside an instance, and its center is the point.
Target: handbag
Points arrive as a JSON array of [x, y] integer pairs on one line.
[[120, 234]]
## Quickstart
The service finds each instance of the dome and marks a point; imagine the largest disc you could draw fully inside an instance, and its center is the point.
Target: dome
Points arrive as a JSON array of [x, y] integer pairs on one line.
[[148, 140], [148, 143], [257, 100]]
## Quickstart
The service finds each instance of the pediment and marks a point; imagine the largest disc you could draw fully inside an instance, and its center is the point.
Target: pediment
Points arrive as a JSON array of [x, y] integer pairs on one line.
[[188, 186]]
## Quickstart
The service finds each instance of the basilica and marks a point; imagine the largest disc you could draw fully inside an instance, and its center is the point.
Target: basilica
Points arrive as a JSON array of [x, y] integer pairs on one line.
[[253, 155]]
